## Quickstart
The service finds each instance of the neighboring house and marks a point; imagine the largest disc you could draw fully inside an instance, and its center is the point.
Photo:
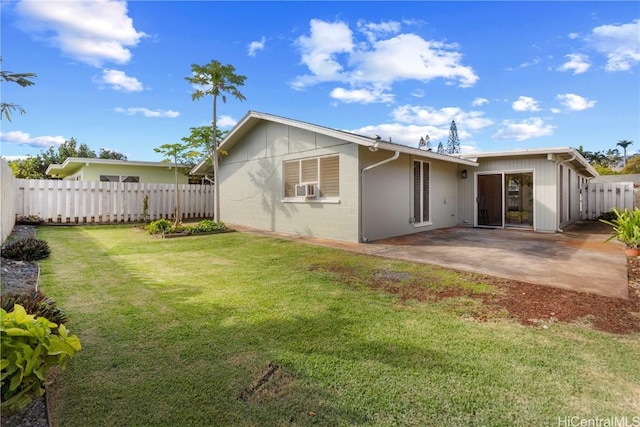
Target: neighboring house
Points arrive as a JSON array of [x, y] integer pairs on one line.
[[91, 169], [607, 179], [294, 177]]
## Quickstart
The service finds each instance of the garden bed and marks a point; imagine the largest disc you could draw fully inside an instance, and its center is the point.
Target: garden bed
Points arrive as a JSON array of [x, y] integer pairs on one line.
[[187, 234]]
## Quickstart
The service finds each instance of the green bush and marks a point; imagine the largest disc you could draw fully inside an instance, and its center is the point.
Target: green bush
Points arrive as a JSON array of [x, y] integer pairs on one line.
[[607, 216], [205, 226], [35, 303], [159, 226], [27, 249], [29, 350], [626, 227]]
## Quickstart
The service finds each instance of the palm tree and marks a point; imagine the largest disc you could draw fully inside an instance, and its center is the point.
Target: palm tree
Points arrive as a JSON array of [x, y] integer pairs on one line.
[[215, 79], [6, 108], [624, 144]]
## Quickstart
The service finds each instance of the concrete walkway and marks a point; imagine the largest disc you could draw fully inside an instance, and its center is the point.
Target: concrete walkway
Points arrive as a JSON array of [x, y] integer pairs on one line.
[[576, 259]]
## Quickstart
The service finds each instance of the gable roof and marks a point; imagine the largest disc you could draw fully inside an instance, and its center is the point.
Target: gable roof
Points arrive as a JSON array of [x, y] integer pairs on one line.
[[252, 118], [561, 154], [72, 165]]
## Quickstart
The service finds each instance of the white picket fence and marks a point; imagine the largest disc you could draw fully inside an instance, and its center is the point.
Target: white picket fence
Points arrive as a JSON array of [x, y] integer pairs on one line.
[[599, 198], [88, 202]]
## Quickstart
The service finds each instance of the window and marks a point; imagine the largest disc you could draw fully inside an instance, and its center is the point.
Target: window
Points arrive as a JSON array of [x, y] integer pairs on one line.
[[119, 178], [324, 172], [421, 199]]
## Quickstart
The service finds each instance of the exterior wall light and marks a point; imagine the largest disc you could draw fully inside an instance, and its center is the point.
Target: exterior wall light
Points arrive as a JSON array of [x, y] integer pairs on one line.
[[464, 174]]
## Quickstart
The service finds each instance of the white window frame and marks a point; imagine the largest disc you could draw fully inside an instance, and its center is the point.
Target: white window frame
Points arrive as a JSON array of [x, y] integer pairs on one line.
[[121, 178], [420, 222], [301, 199]]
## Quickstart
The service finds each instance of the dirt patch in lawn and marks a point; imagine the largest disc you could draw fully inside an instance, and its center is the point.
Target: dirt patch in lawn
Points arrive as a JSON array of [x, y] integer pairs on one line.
[[529, 304], [272, 382]]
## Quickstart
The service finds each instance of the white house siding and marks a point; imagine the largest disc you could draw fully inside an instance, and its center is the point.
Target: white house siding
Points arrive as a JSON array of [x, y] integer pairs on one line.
[[546, 189], [570, 196], [251, 184], [544, 180], [388, 196]]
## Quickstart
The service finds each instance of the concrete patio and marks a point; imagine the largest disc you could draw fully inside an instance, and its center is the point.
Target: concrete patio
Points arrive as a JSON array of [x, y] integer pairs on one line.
[[577, 259]]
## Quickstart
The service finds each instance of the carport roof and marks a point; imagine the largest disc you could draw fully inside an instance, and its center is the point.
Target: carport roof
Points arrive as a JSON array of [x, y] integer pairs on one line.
[[252, 118]]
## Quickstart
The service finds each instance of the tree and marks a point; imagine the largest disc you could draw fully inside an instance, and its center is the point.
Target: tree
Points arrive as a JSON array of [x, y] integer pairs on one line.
[[584, 153], [23, 79], [34, 167], [200, 138], [215, 79], [453, 144], [30, 167], [176, 154], [624, 144], [632, 166], [612, 158], [441, 148], [110, 154]]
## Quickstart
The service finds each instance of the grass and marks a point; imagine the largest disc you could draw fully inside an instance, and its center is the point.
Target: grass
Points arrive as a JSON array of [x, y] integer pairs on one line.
[[235, 329]]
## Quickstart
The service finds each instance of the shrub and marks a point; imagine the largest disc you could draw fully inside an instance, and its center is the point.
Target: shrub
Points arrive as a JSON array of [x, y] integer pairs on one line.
[[29, 350], [27, 249], [607, 216], [204, 226], [159, 226], [35, 303], [626, 227]]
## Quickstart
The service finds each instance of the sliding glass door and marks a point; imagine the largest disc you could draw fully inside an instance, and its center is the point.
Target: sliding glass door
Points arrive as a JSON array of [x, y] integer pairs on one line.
[[505, 199]]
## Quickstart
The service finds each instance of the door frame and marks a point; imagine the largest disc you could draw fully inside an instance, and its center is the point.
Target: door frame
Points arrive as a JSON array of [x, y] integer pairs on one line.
[[503, 173]]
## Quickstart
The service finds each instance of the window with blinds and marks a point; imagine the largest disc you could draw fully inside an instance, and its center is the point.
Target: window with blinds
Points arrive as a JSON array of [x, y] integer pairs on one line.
[[421, 199], [324, 172]]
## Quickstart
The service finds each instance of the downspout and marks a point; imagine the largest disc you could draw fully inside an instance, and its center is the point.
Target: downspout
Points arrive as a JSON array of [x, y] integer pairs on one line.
[[374, 148]]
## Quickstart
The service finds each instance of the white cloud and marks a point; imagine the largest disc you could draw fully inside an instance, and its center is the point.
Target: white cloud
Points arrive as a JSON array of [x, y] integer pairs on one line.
[[573, 36], [19, 137], [534, 61], [576, 62], [556, 110], [319, 51], [147, 112], [373, 31], [479, 102], [119, 81], [525, 103], [226, 121], [418, 93], [255, 46], [405, 134], [575, 102], [12, 158], [362, 96], [429, 116], [332, 53], [92, 32], [620, 43], [531, 128], [411, 122]]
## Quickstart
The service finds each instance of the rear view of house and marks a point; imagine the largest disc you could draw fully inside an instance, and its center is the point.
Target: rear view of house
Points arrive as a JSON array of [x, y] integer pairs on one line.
[[294, 177]]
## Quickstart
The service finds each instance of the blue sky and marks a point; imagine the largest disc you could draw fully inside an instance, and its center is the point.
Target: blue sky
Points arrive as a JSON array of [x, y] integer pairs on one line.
[[513, 75]]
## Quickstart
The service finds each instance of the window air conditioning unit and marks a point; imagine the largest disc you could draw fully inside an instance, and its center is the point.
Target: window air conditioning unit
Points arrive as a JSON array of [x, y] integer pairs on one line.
[[308, 191]]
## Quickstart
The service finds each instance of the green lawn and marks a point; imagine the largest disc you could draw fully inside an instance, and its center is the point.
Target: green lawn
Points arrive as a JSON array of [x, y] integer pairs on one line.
[[179, 332]]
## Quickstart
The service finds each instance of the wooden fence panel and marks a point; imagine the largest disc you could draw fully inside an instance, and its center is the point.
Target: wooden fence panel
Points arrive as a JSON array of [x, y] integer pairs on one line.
[[599, 198], [86, 202]]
